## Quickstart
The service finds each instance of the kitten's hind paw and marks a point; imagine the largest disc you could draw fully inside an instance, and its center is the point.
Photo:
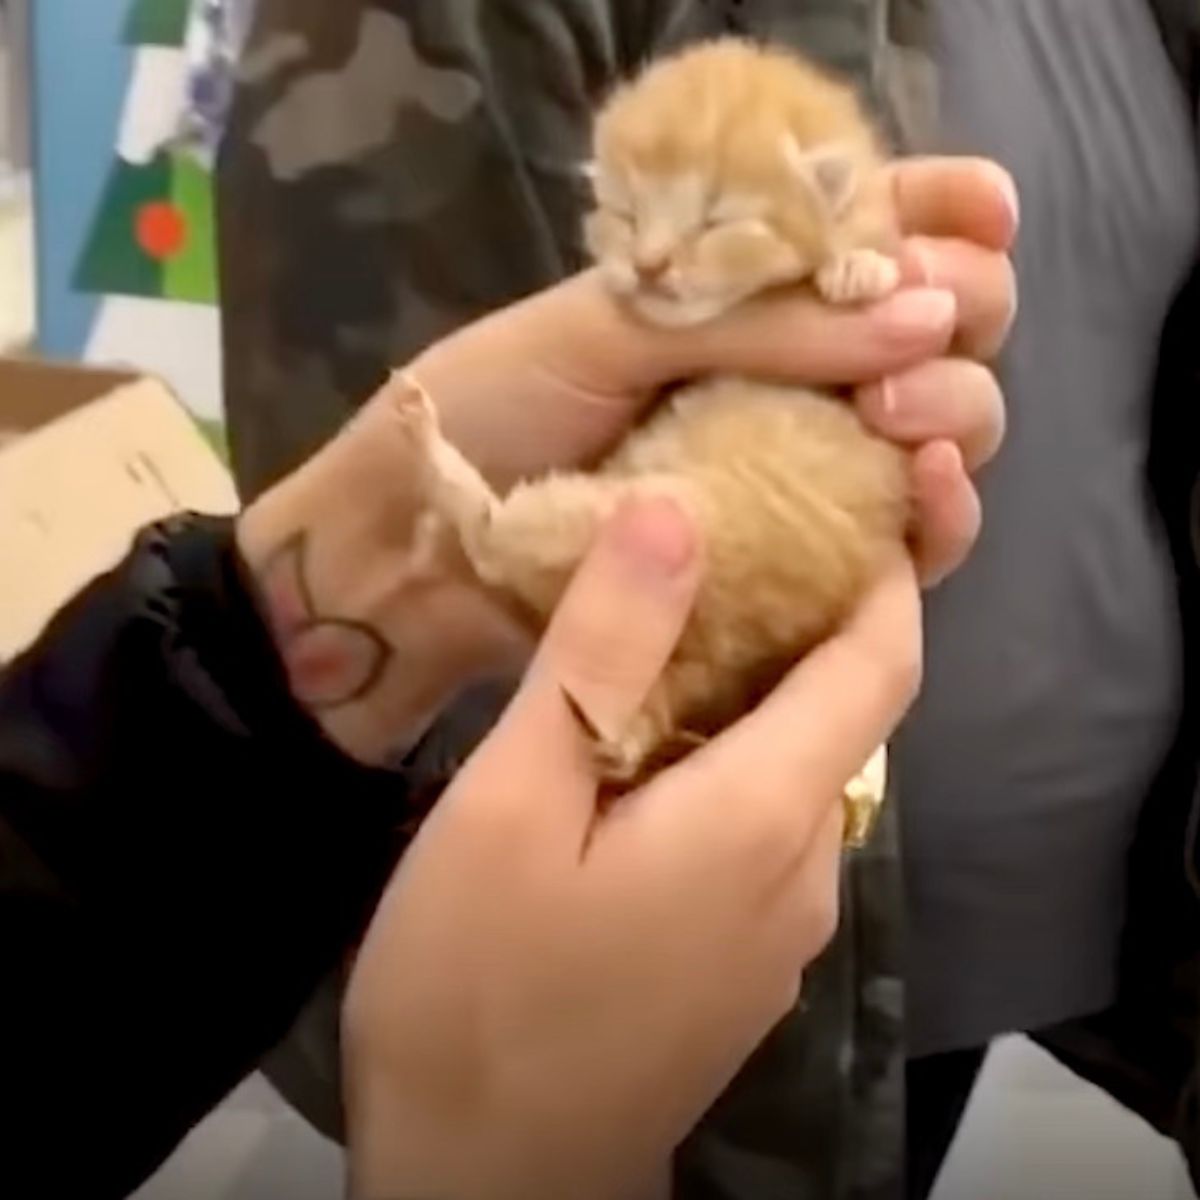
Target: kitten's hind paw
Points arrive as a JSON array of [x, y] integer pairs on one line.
[[618, 762], [633, 759], [627, 763], [857, 277], [452, 489], [626, 760], [412, 407]]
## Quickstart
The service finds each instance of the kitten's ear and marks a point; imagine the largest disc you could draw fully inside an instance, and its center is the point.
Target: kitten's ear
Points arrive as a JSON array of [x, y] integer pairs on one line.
[[829, 171]]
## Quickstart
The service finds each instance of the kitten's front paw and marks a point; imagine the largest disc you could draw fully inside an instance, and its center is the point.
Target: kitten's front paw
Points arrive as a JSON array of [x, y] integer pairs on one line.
[[857, 277]]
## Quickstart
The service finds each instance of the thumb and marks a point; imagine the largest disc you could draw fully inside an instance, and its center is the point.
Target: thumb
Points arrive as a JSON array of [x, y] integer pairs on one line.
[[605, 649]]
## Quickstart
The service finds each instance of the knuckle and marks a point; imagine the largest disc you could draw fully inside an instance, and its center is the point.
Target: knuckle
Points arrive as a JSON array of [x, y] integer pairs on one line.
[[1010, 292], [891, 667], [986, 418], [977, 377], [899, 671], [997, 428], [821, 919], [1003, 304], [905, 672], [789, 991], [801, 940]]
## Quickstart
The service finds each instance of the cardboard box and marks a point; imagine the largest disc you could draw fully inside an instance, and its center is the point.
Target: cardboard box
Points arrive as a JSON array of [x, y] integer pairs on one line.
[[87, 457]]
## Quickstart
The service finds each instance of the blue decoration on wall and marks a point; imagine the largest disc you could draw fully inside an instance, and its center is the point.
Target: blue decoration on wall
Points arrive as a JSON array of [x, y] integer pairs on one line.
[[81, 71]]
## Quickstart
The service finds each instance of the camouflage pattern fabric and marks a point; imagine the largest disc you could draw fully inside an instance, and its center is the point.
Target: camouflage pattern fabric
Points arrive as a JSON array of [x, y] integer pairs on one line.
[[393, 169], [428, 149]]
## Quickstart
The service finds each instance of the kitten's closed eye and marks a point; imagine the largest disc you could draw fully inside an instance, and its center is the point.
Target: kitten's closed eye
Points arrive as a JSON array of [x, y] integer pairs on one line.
[[623, 211], [609, 194], [730, 209]]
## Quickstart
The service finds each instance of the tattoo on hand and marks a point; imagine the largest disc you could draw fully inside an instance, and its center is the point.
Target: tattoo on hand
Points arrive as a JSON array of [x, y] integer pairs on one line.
[[330, 661]]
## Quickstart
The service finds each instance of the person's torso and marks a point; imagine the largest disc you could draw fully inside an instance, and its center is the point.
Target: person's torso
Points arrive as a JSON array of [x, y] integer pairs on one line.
[[1053, 682]]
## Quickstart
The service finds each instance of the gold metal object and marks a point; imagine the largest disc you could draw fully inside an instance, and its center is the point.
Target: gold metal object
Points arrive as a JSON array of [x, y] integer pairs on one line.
[[862, 800]]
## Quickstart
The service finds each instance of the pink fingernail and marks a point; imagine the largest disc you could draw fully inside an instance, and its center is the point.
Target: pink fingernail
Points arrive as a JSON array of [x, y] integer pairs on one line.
[[1008, 189]]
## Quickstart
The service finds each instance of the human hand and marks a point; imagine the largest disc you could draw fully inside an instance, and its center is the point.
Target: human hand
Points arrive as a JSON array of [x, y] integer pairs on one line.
[[381, 623], [555, 380], [551, 995], [376, 615], [961, 218]]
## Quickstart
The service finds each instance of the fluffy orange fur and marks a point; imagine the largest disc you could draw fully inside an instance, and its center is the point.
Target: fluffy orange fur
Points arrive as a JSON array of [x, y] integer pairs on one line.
[[798, 505], [732, 168]]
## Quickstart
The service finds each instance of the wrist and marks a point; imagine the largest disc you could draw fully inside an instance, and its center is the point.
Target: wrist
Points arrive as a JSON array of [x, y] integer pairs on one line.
[[377, 617], [416, 1130], [396, 1153]]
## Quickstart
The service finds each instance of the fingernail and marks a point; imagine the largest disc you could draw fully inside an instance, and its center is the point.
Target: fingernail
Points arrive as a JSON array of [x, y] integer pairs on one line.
[[922, 261], [887, 397], [916, 311], [879, 400], [943, 459], [1008, 189], [655, 535]]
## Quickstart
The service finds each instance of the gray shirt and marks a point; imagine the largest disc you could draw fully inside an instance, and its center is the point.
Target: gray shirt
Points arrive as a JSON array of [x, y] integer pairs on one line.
[[1053, 683]]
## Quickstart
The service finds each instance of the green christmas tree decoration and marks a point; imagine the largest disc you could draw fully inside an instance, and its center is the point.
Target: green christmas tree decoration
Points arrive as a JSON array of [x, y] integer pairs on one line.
[[154, 234], [113, 261], [191, 273], [157, 23]]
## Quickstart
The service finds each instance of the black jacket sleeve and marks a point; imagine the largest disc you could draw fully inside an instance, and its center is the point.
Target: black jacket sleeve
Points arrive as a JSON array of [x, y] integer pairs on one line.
[[182, 858]]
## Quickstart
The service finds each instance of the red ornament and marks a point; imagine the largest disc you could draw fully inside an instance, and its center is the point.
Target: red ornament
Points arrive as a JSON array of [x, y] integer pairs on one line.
[[161, 229]]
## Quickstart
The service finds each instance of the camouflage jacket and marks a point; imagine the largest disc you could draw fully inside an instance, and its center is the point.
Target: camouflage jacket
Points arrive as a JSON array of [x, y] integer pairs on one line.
[[395, 168]]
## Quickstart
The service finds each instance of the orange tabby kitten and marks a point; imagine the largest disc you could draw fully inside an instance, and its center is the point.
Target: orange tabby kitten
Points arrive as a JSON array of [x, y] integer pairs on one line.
[[719, 173], [733, 168]]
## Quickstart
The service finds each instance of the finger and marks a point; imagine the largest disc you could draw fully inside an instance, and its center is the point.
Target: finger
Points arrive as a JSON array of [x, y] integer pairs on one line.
[[984, 284], [770, 779], [970, 198], [948, 399], [948, 512], [795, 337], [803, 899], [604, 651]]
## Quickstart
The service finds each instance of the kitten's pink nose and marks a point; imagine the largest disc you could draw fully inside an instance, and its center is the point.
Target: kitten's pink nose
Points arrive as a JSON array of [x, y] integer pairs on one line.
[[651, 267]]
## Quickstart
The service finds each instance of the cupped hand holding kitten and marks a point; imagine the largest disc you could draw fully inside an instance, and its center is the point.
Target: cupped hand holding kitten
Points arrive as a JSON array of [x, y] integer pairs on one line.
[[438, 1098], [550, 997], [555, 380]]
